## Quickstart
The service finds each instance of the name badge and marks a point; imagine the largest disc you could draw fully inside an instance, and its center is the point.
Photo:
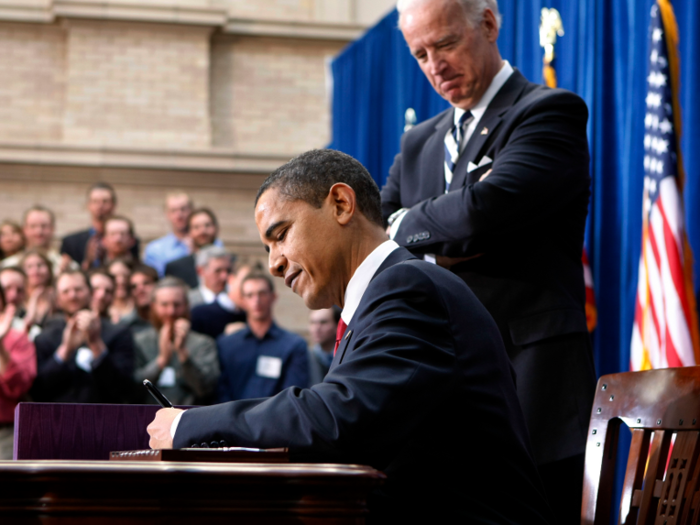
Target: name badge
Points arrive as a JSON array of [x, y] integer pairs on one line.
[[167, 377], [84, 358], [269, 367]]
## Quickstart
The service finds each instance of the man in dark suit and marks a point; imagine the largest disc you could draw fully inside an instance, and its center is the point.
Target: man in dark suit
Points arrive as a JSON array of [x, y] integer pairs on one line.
[[415, 389], [82, 358], [496, 189], [203, 228], [85, 246]]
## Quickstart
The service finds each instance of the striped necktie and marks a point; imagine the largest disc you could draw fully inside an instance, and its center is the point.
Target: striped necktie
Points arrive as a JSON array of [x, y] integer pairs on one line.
[[453, 140]]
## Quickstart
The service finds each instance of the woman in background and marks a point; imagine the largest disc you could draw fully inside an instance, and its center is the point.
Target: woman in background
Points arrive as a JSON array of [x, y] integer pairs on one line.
[[17, 372], [40, 291], [12, 239], [123, 305]]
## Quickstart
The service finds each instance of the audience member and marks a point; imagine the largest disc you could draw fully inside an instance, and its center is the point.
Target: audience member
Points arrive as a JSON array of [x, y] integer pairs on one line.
[[143, 282], [103, 285], [183, 363], [213, 319], [38, 229], [123, 305], [14, 283], [12, 239], [177, 243], [40, 291], [322, 329], [81, 357], [17, 371], [118, 239], [262, 359], [85, 247], [213, 270], [204, 229]]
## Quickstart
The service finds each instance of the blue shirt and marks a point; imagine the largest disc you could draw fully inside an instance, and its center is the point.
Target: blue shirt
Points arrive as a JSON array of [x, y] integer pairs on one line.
[[252, 367], [161, 251]]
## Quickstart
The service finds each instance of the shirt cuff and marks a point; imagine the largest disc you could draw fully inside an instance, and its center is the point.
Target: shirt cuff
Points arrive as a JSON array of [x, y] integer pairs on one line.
[[175, 423], [397, 222], [430, 257]]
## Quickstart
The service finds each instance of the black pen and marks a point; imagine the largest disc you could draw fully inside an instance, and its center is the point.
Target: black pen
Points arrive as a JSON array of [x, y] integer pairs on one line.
[[157, 394]]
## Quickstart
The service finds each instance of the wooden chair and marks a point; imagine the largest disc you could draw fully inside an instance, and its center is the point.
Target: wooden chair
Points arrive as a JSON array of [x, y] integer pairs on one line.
[[662, 410]]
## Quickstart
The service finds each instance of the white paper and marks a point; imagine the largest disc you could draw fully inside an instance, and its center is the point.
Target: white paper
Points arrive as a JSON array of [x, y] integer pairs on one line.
[[167, 377], [269, 366], [84, 358]]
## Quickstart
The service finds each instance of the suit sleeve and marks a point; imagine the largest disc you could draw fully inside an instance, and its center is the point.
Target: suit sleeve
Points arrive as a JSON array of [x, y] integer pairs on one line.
[[113, 373], [201, 369], [399, 365], [53, 377], [391, 192], [543, 165], [297, 370]]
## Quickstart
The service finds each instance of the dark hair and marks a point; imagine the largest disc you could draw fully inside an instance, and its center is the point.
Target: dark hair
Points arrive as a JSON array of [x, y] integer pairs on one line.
[[103, 186], [121, 218], [2, 298], [310, 176], [258, 276], [146, 270], [42, 255], [127, 261], [15, 269], [17, 229], [199, 211], [102, 271], [75, 272], [42, 209]]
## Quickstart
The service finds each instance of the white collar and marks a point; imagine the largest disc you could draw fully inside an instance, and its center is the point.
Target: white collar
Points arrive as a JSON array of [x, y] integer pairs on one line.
[[496, 84], [362, 276], [222, 298]]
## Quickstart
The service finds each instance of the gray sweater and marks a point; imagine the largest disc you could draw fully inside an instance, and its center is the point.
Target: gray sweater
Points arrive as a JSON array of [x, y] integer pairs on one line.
[[194, 379]]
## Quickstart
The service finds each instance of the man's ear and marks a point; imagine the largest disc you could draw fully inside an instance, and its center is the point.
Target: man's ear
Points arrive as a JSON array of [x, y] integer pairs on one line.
[[343, 200]]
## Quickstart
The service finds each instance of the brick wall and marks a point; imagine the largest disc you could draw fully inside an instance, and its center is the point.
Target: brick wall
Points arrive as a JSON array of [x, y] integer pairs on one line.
[[137, 85], [32, 62], [270, 95]]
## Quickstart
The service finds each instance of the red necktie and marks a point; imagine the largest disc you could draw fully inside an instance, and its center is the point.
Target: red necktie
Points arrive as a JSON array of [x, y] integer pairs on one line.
[[339, 334]]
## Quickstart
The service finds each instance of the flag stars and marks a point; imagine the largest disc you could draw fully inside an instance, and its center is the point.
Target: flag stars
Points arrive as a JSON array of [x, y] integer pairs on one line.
[[665, 127], [656, 79], [657, 34], [653, 100]]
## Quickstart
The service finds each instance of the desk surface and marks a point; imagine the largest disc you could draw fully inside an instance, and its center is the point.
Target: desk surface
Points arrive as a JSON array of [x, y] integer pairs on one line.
[[165, 492]]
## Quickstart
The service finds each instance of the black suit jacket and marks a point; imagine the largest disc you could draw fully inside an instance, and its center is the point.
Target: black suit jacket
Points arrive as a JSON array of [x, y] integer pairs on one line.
[[74, 245], [525, 223], [109, 382], [184, 268], [421, 388]]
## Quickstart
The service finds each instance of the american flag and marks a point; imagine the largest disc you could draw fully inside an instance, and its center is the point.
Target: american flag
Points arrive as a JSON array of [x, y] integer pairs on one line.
[[665, 321]]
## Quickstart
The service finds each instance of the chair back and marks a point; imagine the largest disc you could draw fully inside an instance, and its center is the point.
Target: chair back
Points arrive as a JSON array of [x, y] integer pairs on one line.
[[662, 480]]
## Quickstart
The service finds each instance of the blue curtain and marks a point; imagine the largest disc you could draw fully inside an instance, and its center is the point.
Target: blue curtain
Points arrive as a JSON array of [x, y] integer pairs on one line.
[[602, 57]]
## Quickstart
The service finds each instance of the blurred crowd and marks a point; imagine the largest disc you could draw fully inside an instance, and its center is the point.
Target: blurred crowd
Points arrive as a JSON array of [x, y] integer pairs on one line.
[[89, 322]]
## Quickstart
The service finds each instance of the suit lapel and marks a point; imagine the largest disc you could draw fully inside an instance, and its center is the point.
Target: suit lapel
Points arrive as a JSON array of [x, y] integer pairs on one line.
[[395, 257], [435, 161], [486, 128]]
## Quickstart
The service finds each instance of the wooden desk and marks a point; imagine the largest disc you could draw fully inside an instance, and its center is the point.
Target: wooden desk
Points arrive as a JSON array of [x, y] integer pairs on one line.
[[104, 492]]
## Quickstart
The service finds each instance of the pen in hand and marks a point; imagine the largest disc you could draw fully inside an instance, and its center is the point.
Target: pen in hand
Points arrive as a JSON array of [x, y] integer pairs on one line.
[[157, 394]]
